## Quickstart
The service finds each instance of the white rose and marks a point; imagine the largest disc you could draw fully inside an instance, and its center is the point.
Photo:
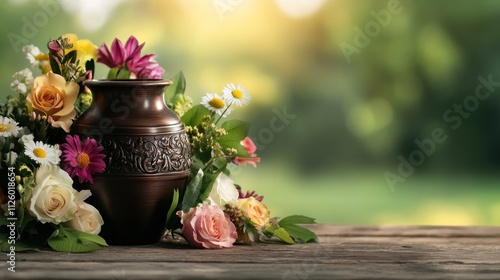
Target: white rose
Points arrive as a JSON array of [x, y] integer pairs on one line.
[[53, 198], [87, 218], [223, 191]]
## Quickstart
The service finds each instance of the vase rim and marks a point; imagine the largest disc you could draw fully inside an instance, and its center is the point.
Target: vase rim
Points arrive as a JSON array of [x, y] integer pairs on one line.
[[128, 82]]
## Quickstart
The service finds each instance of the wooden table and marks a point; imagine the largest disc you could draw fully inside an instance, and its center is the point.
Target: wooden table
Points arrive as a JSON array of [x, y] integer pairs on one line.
[[344, 252]]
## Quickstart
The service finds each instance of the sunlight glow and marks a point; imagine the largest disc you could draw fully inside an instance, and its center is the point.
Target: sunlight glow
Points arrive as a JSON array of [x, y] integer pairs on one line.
[[91, 14], [299, 8]]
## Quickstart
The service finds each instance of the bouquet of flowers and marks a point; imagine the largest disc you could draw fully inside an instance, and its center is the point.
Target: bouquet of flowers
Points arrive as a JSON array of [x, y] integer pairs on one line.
[[40, 160]]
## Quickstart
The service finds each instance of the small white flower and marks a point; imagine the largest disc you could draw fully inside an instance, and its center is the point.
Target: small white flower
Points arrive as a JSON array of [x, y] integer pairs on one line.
[[27, 138], [10, 158], [8, 127], [22, 81], [236, 94], [216, 103], [42, 153]]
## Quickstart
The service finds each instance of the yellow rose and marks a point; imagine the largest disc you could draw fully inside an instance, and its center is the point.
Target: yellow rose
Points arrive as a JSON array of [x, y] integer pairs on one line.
[[53, 97], [85, 49], [53, 198], [255, 210]]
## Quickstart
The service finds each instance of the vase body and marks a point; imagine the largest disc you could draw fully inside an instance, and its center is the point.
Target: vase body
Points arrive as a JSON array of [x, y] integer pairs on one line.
[[148, 157]]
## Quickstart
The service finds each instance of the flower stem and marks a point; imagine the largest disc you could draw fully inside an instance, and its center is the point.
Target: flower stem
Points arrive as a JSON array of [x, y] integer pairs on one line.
[[220, 117]]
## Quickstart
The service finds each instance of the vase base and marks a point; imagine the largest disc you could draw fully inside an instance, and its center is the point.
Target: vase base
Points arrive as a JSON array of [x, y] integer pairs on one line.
[[134, 208]]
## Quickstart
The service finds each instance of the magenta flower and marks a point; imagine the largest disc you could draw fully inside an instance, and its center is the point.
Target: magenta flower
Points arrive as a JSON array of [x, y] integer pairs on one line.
[[119, 54], [129, 57], [242, 195], [82, 160], [151, 71]]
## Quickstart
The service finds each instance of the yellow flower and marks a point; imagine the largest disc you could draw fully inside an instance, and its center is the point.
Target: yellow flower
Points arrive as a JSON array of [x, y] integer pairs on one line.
[[255, 210], [85, 49], [55, 98]]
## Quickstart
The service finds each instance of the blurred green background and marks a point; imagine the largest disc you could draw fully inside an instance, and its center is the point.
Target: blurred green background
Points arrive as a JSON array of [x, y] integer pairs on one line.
[[341, 91]]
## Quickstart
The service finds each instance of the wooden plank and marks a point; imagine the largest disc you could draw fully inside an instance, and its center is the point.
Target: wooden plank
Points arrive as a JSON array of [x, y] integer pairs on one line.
[[360, 252], [304, 270]]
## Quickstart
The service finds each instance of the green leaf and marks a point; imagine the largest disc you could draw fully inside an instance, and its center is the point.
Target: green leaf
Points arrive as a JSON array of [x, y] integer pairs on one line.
[[3, 220], [194, 116], [66, 244], [69, 57], [236, 132], [20, 246], [90, 65], [173, 206], [207, 185], [113, 72], [86, 236], [54, 65], [123, 74], [296, 219], [300, 233], [282, 234], [192, 191], [118, 73], [71, 240], [251, 230], [178, 86]]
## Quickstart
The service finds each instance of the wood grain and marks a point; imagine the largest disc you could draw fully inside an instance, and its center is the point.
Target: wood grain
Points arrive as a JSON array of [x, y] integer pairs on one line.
[[344, 252]]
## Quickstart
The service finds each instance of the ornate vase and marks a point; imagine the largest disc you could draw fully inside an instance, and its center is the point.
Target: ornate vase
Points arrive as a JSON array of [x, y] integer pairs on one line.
[[148, 156]]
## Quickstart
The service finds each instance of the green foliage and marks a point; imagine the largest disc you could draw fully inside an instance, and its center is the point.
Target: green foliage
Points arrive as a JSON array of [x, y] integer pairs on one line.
[[118, 73], [280, 233], [173, 206], [289, 232], [236, 132], [193, 190], [195, 115], [71, 240], [20, 246], [178, 87], [296, 219]]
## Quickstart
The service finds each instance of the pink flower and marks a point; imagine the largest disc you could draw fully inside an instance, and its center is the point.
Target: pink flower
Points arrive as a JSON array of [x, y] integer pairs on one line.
[[207, 226], [84, 159], [151, 71], [114, 58], [250, 148], [129, 57], [54, 47]]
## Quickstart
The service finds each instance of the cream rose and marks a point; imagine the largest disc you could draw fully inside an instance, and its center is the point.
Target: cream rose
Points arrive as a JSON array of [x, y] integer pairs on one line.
[[53, 198], [255, 210], [53, 97], [87, 218], [223, 191]]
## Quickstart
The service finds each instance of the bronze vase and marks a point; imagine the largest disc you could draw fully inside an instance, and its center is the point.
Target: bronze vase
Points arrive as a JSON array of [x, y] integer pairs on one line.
[[148, 156]]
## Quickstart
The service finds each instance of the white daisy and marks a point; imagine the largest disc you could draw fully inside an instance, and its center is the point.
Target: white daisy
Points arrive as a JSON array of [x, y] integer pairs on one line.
[[32, 52], [42, 153], [216, 103], [8, 127], [236, 94]]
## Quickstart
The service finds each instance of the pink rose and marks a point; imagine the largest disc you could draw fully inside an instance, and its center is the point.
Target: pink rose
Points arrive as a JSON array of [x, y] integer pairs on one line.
[[248, 144], [207, 226]]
